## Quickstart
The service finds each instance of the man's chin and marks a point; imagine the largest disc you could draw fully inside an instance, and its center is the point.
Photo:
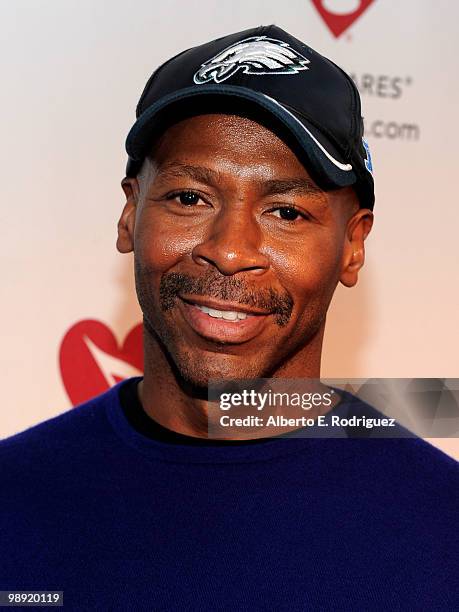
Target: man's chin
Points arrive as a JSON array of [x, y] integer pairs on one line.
[[195, 366], [202, 370]]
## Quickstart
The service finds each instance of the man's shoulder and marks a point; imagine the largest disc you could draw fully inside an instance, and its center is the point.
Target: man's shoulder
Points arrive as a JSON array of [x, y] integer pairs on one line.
[[77, 426], [423, 460], [396, 447]]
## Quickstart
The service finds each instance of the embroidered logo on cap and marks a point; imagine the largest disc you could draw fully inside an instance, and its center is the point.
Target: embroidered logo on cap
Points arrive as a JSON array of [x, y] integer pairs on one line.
[[255, 55], [367, 160]]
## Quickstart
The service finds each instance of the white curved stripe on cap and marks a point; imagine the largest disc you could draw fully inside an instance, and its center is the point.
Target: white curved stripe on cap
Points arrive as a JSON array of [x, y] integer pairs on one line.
[[338, 164]]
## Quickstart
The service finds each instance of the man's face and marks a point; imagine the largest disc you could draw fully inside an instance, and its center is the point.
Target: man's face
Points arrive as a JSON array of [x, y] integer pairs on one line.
[[225, 217]]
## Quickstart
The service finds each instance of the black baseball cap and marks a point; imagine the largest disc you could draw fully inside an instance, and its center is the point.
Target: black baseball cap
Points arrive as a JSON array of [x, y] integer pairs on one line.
[[278, 80]]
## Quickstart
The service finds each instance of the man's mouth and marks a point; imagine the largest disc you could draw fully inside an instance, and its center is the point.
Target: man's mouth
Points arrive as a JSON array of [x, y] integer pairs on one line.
[[221, 321], [228, 315]]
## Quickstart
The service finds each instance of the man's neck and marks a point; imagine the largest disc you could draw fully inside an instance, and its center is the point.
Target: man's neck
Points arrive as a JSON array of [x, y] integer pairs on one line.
[[167, 399]]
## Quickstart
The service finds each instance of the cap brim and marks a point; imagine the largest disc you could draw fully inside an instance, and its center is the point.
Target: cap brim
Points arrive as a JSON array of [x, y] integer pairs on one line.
[[317, 152]]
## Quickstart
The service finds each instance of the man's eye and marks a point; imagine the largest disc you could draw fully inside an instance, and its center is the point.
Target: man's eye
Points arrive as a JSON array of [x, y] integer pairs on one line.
[[187, 198], [288, 213]]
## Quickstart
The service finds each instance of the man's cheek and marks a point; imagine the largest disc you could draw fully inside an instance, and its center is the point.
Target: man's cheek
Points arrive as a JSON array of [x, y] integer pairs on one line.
[[307, 270], [156, 251]]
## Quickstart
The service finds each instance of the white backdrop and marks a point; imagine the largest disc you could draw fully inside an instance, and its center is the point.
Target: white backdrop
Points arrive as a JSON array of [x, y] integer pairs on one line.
[[72, 72]]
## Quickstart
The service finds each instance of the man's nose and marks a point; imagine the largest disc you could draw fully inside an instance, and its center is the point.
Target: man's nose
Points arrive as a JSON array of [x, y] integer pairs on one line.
[[232, 243]]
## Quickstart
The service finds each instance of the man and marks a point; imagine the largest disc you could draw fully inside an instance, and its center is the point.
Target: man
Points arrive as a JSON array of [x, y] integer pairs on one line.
[[249, 196]]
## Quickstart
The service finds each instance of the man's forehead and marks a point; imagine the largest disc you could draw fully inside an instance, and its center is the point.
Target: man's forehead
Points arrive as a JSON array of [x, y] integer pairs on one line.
[[206, 137], [228, 124]]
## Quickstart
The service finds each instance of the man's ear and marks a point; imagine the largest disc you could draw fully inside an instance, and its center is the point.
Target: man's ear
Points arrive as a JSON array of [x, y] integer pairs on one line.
[[126, 223], [358, 228]]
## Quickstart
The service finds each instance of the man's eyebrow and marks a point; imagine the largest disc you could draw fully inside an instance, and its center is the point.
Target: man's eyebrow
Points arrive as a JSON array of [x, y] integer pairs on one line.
[[298, 186], [179, 170]]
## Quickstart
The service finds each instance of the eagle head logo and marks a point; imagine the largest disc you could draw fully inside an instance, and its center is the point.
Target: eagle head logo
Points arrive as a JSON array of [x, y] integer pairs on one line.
[[255, 55]]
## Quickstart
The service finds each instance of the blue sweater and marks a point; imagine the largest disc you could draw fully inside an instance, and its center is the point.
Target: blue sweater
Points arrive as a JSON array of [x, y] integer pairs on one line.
[[119, 521]]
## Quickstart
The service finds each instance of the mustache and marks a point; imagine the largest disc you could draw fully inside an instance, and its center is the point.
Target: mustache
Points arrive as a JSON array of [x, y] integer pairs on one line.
[[212, 284]]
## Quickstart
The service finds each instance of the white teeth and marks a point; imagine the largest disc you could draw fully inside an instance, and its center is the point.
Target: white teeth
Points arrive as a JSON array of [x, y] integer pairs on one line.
[[228, 315]]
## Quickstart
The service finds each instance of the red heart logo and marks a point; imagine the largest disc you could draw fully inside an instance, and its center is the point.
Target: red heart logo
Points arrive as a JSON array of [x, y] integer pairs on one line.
[[339, 15], [92, 361]]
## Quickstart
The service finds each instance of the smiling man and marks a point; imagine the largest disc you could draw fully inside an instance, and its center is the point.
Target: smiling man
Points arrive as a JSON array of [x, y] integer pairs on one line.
[[237, 254], [249, 195]]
